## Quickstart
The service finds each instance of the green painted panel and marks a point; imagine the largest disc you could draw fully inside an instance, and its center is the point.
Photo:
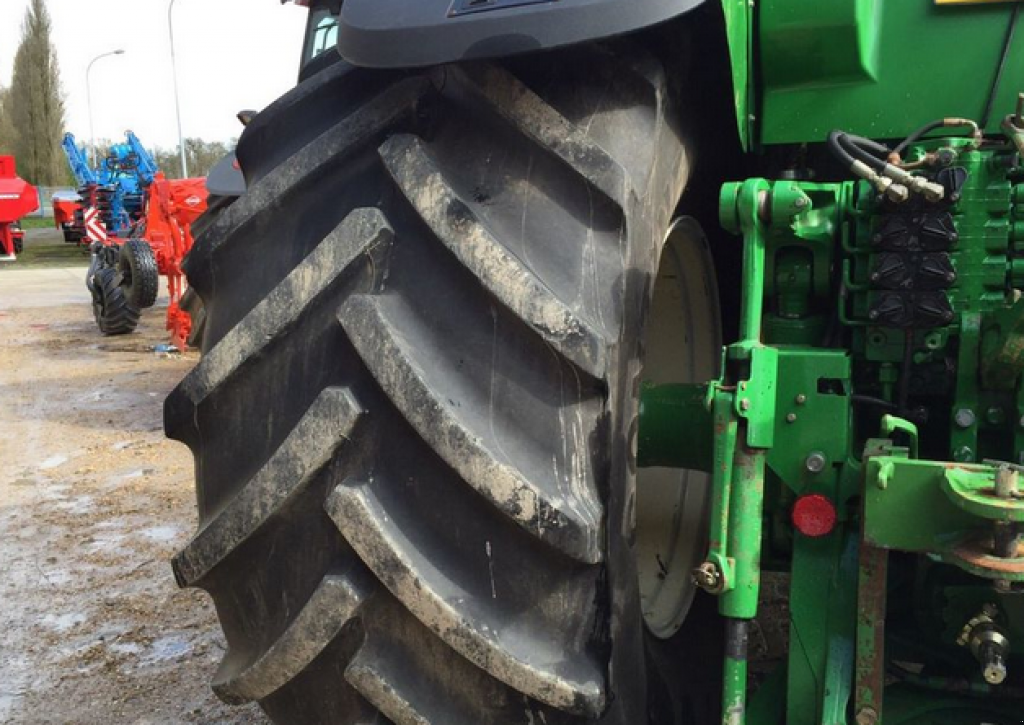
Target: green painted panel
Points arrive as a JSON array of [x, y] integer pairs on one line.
[[881, 68], [738, 31]]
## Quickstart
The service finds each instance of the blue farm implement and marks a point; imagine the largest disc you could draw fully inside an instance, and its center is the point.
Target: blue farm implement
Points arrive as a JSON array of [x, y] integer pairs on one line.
[[137, 225], [116, 187]]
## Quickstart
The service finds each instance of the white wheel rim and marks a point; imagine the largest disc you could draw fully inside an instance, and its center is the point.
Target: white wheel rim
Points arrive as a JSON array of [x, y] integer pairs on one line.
[[683, 345]]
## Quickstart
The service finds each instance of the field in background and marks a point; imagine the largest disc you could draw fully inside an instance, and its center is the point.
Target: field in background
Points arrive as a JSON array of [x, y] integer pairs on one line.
[[45, 248]]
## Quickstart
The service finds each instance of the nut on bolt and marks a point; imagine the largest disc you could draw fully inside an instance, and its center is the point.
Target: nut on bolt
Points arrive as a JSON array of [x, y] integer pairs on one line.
[[815, 462], [867, 716], [964, 418], [708, 577]]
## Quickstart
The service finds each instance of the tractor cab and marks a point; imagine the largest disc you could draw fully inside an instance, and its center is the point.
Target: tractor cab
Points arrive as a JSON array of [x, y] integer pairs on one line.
[[321, 30]]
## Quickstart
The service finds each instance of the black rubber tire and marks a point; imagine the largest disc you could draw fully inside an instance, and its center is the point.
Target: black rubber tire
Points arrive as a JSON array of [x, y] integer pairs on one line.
[[140, 276], [193, 305], [414, 417], [191, 302], [114, 314]]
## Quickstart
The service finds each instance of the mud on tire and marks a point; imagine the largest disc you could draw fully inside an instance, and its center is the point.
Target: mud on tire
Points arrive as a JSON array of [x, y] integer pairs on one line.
[[413, 419]]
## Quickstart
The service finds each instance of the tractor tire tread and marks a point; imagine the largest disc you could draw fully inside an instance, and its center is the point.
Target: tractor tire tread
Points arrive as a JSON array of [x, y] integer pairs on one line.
[[136, 257], [411, 421], [114, 314]]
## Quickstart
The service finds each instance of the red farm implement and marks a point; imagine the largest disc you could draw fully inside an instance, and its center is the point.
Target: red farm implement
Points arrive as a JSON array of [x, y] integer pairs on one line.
[[124, 276], [17, 198], [65, 208]]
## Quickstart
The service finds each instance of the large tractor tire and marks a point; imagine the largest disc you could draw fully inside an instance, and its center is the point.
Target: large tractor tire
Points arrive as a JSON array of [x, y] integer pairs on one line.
[[414, 419], [140, 276], [192, 305], [114, 313], [191, 302]]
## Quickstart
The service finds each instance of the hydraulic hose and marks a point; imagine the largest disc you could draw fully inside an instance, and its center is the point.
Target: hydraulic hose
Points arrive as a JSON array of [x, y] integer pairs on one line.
[[865, 150], [976, 133], [838, 150]]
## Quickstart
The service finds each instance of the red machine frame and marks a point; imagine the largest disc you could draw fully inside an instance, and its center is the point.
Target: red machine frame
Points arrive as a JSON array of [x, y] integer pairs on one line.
[[18, 198]]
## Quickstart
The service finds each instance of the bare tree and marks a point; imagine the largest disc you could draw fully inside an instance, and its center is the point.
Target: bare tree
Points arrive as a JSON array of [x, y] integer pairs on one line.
[[34, 104], [201, 155]]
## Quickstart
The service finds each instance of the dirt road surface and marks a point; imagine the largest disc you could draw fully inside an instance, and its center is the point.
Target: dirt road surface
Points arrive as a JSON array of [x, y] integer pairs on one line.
[[93, 503]]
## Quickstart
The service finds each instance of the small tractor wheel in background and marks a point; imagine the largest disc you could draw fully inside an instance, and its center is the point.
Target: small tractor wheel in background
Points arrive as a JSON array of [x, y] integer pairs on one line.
[[140, 276], [114, 314], [415, 415]]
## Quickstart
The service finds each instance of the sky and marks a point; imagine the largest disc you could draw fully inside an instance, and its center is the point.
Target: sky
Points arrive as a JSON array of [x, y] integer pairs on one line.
[[231, 55]]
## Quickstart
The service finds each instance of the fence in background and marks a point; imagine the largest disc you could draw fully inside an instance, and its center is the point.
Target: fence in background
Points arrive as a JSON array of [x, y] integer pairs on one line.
[[46, 193]]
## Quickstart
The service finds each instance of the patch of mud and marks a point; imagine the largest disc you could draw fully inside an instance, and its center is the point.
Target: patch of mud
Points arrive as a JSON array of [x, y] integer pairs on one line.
[[93, 504]]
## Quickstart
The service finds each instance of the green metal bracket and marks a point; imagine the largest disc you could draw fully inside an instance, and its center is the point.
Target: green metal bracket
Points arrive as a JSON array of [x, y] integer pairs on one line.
[[755, 397], [675, 427], [812, 417], [973, 490], [954, 506]]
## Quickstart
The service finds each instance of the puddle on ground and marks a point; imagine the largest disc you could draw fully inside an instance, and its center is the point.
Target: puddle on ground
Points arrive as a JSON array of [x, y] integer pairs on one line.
[[161, 533], [99, 542], [64, 622], [125, 648], [166, 648], [135, 348], [53, 462], [79, 505]]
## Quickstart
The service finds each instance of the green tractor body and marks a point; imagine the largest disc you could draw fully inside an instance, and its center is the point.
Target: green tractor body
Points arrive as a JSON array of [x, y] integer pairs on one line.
[[862, 439]]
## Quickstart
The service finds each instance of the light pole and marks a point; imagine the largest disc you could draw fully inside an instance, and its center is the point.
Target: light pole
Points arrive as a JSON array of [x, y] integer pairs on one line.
[[88, 93], [177, 100]]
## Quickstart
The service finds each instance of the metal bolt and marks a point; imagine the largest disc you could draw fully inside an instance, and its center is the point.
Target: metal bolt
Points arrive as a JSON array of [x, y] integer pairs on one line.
[[995, 672], [800, 202], [1007, 481], [708, 577], [815, 462], [791, 418], [745, 404], [801, 399], [964, 454], [867, 716], [964, 418], [1021, 421], [995, 415]]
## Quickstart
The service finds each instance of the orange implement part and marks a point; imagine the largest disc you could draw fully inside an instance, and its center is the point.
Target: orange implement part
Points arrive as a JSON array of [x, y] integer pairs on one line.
[[172, 208]]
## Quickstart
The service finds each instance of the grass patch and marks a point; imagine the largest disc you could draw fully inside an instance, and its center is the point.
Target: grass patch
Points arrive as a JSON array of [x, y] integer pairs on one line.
[[37, 223], [47, 249]]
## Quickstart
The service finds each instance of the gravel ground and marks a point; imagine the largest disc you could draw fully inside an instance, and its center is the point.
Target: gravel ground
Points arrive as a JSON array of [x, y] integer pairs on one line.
[[93, 503]]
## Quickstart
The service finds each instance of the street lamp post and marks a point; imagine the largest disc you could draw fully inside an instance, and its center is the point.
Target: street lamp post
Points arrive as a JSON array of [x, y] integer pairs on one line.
[[88, 93], [177, 100]]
